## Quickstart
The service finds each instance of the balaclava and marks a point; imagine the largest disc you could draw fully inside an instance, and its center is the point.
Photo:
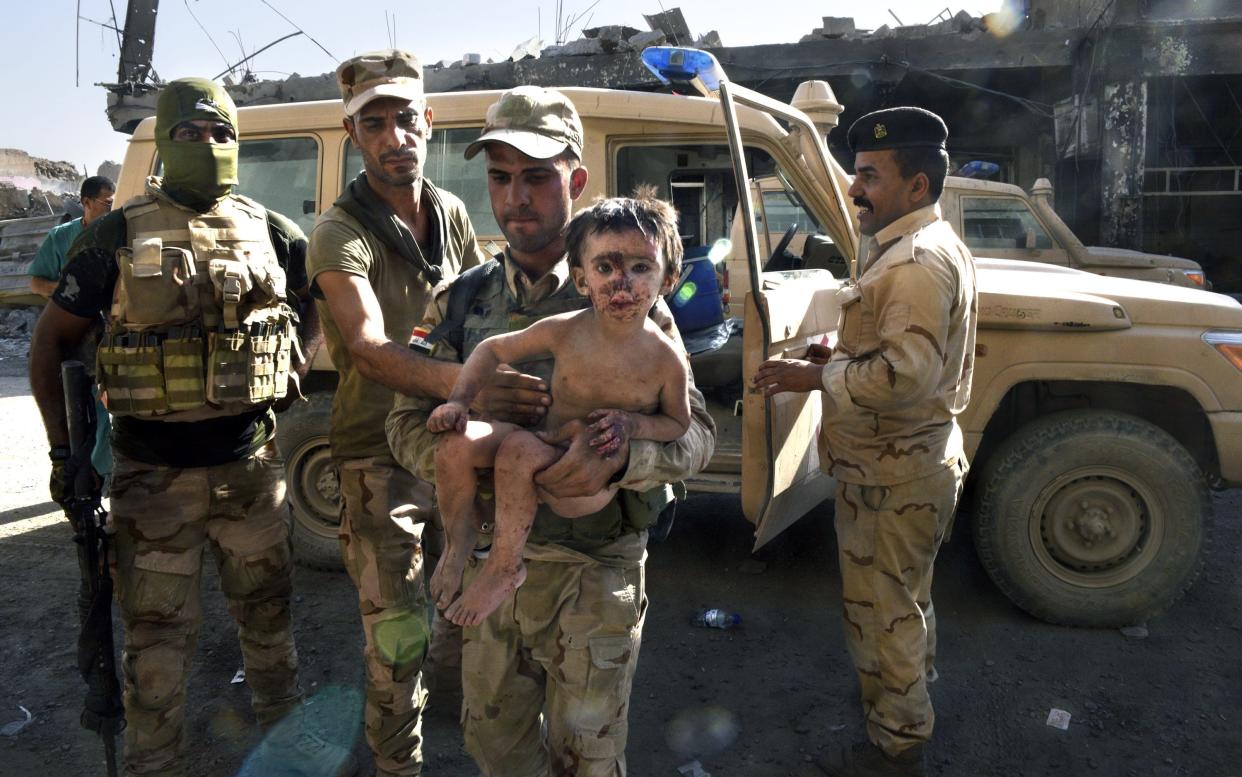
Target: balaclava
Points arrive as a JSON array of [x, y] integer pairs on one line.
[[196, 174]]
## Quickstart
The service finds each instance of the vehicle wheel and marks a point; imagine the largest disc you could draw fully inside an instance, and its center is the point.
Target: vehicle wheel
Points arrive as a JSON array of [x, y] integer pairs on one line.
[[1092, 518], [313, 490]]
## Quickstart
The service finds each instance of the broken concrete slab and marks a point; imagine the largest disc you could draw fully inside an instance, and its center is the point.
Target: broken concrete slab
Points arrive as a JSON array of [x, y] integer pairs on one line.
[[672, 23], [649, 38], [709, 40], [837, 26], [575, 48], [527, 48]]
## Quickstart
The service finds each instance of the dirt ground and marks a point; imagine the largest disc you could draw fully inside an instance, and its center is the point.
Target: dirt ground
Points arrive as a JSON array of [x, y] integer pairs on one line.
[[754, 701]]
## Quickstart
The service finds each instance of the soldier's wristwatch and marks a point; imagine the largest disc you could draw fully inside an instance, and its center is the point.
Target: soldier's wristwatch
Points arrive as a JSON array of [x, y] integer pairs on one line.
[[58, 453]]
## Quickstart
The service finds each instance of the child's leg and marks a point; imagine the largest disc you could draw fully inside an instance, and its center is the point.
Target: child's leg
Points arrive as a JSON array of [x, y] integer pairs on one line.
[[458, 459], [519, 457]]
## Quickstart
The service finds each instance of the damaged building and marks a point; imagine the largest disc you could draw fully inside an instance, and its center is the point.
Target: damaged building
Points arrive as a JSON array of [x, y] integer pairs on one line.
[[1130, 107]]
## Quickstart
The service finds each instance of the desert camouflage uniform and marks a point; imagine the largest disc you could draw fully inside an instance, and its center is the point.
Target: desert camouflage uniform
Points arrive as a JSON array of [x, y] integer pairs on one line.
[[898, 377], [383, 507], [164, 518], [547, 676]]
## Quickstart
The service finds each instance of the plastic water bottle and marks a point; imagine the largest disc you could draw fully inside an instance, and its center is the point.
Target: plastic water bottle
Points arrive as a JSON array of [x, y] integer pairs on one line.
[[717, 619]]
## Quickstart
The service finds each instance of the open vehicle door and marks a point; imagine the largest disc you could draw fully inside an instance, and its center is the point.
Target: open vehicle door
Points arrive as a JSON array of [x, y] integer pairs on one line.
[[783, 311]]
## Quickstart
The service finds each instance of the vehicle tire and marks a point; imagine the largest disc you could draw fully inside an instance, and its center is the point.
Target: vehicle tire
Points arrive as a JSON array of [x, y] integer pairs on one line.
[[1092, 518], [313, 489]]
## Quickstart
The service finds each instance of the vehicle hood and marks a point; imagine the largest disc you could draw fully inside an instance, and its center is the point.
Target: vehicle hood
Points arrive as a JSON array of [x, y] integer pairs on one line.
[[1102, 256], [1030, 295]]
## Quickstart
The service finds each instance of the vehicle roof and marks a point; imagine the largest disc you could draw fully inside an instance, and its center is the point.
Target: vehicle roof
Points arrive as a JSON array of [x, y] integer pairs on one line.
[[976, 185]]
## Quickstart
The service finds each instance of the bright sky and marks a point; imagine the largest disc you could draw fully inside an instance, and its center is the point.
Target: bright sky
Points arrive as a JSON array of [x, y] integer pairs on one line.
[[51, 117]]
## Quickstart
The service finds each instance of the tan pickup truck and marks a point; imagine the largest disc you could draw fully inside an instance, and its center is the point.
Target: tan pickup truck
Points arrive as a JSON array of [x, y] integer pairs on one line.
[[1104, 410], [997, 220]]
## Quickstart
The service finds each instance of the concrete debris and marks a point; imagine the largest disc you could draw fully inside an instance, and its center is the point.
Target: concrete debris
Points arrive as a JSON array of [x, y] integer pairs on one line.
[[616, 32], [672, 23], [708, 40], [576, 48], [471, 59], [837, 27], [527, 49], [649, 38], [18, 323]]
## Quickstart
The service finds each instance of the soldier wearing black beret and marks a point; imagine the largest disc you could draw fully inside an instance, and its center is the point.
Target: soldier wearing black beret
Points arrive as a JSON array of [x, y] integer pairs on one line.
[[892, 389]]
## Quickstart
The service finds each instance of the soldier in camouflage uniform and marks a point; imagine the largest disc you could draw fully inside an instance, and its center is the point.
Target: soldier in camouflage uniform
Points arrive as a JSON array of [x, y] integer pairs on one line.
[[547, 676], [375, 256], [892, 389], [192, 280]]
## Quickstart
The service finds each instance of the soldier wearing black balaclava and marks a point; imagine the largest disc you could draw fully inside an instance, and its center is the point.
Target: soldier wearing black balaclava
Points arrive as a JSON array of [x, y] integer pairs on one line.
[[198, 346]]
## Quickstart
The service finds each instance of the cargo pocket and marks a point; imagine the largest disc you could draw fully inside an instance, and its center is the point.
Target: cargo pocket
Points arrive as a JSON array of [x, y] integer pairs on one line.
[[228, 370], [161, 582], [158, 282], [183, 373], [131, 373]]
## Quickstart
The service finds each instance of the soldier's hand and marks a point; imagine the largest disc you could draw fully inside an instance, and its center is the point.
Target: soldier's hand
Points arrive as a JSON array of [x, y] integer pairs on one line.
[[818, 354], [581, 471], [777, 375], [59, 485], [514, 397]]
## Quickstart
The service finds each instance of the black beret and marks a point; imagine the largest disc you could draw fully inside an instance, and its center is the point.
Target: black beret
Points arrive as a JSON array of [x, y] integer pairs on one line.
[[903, 127]]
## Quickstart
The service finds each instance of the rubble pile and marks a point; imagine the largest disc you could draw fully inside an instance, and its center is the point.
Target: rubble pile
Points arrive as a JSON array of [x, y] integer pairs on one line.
[[31, 186], [16, 327], [962, 23]]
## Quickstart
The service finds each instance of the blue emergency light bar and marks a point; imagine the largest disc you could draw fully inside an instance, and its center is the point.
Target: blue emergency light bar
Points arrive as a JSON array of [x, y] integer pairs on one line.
[[674, 64]]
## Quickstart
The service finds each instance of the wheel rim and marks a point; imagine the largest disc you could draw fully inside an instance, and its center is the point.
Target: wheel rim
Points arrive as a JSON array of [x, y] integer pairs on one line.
[[314, 488], [1096, 527]]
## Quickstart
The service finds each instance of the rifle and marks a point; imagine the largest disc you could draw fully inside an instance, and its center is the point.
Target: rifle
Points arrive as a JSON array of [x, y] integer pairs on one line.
[[102, 711]]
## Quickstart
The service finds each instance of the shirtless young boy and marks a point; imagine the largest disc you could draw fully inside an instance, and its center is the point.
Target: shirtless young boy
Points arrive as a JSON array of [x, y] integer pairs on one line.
[[614, 369]]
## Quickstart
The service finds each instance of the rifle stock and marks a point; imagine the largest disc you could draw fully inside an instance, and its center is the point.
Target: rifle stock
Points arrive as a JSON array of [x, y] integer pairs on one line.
[[102, 711]]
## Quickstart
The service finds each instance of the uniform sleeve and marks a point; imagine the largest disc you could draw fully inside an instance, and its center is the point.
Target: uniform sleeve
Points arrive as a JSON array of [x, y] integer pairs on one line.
[[90, 273], [912, 303], [48, 262], [408, 417], [290, 243], [654, 463], [335, 246]]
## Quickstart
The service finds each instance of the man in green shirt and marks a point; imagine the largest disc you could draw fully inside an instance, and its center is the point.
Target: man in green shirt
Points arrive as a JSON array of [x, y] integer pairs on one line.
[[374, 258], [96, 193]]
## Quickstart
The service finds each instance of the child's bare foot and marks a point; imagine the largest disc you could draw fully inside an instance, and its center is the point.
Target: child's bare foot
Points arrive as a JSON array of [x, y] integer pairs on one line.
[[446, 579], [485, 594]]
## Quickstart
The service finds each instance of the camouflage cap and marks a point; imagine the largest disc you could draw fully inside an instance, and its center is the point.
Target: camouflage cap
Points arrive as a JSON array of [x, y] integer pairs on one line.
[[192, 99], [540, 123], [385, 73]]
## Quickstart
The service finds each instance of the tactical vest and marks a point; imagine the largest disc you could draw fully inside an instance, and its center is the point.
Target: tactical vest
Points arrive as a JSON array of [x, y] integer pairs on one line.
[[496, 311], [198, 327]]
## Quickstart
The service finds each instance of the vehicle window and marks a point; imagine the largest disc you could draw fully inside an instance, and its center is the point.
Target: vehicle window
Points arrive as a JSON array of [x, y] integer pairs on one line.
[[784, 212], [281, 174], [448, 169], [697, 179], [1000, 222]]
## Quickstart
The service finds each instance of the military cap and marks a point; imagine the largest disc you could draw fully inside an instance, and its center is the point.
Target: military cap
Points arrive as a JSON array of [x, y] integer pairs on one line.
[[385, 73], [904, 127], [540, 123], [192, 99]]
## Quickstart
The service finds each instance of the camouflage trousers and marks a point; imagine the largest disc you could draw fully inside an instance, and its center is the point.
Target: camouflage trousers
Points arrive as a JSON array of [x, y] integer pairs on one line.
[[887, 539], [163, 518], [381, 544], [547, 676]]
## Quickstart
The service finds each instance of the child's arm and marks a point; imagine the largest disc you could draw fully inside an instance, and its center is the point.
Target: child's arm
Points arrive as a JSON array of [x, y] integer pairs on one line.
[[538, 338], [669, 424]]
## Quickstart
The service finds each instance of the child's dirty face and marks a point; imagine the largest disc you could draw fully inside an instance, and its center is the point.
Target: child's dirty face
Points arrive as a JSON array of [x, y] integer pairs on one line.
[[622, 273]]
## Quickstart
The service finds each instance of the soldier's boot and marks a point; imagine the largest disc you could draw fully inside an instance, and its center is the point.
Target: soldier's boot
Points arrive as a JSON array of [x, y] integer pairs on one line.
[[866, 760]]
